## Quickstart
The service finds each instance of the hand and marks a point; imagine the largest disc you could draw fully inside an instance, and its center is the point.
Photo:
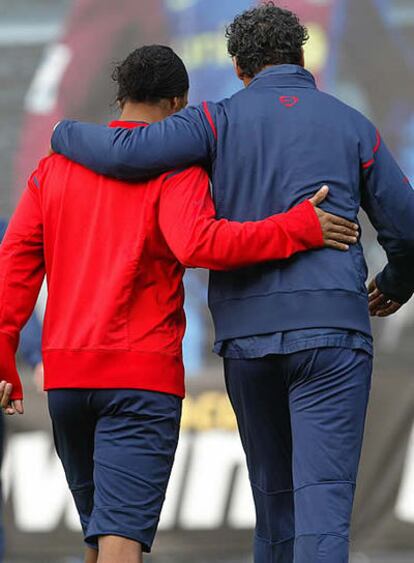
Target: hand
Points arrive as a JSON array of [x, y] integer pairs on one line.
[[38, 376], [9, 407], [337, 232], [379, 304]]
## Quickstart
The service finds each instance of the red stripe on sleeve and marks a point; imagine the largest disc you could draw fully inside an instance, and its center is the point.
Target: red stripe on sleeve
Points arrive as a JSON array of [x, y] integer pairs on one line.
[[210, 119], [368, 164]]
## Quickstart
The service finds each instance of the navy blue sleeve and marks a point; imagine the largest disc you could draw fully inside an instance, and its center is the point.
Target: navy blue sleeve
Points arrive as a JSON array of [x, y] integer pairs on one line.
[[183, 139], [388, 199], [30, 347]]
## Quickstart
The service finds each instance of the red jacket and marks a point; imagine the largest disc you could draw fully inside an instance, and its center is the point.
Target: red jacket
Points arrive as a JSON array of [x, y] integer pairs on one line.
[[114, 255]]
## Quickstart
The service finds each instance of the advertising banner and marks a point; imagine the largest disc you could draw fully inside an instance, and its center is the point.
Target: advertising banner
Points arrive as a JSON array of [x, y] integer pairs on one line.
[[209, 506]]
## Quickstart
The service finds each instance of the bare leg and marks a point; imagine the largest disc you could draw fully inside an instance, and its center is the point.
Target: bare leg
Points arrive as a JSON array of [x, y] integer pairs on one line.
[[91, 555], [114, 549]]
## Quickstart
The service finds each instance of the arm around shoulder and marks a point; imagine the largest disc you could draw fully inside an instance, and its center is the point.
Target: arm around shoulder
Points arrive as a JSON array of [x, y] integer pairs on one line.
[[183, 139], [198, 239]]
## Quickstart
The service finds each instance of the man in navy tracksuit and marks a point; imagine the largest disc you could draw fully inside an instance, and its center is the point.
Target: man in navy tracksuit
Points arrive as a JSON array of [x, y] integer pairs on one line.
[[295, 336]]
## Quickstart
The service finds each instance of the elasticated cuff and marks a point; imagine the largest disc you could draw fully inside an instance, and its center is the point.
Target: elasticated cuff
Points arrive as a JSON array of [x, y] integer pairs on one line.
[[8, 371]]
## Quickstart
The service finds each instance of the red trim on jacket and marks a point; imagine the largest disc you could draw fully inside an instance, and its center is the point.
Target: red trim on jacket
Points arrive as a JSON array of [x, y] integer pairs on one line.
[[378, 143], [368, 164], [114, 253], [210, 119]]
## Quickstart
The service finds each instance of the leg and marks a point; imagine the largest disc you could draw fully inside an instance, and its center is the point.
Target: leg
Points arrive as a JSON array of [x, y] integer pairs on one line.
[[74, 433], [259, 397], [91, 555], [329, 391], [135, 441], [114, 549]]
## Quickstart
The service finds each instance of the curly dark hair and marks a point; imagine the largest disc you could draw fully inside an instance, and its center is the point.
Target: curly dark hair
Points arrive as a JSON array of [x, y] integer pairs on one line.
[[150, 74], [267, 35]]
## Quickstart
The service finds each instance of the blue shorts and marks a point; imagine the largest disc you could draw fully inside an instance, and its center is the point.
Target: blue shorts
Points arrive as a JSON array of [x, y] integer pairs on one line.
[[117, 448]]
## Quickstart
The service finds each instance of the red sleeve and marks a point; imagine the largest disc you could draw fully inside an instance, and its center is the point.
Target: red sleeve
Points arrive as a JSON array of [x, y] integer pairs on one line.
[[198, 239], [21, 276]]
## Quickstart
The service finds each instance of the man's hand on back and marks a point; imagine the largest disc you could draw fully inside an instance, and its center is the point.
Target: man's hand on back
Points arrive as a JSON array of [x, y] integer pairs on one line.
[[338, 233]]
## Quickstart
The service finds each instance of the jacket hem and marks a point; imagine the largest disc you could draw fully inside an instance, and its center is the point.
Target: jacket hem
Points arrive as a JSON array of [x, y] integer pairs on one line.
[[114, 369], [280, 312]]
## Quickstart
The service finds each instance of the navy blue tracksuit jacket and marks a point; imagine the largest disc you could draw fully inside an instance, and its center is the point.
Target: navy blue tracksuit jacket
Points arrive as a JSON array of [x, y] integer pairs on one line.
[[288, 138]]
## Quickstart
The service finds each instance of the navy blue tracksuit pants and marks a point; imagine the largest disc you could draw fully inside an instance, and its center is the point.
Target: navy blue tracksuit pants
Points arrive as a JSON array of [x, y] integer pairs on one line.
[[301, 419]]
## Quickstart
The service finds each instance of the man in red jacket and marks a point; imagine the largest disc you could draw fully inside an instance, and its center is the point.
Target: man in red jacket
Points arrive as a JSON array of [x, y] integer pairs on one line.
[[114, 321]]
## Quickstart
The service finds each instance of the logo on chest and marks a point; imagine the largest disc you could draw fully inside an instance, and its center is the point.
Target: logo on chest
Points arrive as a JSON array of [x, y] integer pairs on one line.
[[288, 101]]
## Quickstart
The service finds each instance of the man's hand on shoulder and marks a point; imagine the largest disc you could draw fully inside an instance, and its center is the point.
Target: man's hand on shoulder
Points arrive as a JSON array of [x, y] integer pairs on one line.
[[338, 233]]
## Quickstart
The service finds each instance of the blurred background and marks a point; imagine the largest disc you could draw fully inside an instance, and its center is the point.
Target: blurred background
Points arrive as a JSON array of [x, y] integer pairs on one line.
[[56, 58]]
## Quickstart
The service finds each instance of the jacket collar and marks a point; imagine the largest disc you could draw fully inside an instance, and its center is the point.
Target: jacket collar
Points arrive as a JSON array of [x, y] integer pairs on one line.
[[284, 75]]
